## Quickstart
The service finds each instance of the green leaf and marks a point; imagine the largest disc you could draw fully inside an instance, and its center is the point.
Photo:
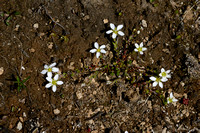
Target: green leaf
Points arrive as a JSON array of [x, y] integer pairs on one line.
[[176, 12], [178, 37], [12, 109], [17, 13], [2, 14], [9, 18], [112, 74], [106, 66], [26, 79], [7, 24], [129, 62], [157, 91]]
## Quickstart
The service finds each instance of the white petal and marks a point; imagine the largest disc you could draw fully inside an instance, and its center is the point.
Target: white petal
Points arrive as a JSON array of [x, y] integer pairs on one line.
[[168, 100], [49, 74], [52, 65], [164, 79], [171, 95], [108, 32], [168, 71], [162, 70], [153, 78], [54, 88], [144, 49], [43, 71], [168, 76], [48, 85], [154, 84], [55, 69], [119, 27], [136, 50], [59, 82], [93, 50], [49, 79], [141, 52], [112, 26], [103, 51], [46, 66], [56, 77], [160, 74], [141, 44], [121, 33], [136, 45], [97, 54], [96, 45], [114, 35], [161, 84], [102, 46], [174, 100]]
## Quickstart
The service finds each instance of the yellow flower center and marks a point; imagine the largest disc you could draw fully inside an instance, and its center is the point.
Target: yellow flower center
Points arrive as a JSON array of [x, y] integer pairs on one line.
[[54, 82], [139, 49], [49, 69], [170, 100], [164, 74], [115, 31], [98, 50], [158, 79]]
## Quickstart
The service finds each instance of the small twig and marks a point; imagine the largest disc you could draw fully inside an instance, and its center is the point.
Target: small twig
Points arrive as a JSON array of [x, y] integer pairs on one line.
[[98, 114], [56, 23]]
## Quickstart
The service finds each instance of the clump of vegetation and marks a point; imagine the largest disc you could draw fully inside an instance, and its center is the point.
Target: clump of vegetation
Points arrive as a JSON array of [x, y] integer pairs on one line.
[[7, 16], [121, 66], [21, 83]]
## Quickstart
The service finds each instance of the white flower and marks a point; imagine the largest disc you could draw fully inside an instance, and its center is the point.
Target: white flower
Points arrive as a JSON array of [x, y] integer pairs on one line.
[[156, 81], [53, 82], [108, 82], [171, 98], [126, 132], [49, 69], [115, 30], [165, 75], [140, 48], [98, 49]]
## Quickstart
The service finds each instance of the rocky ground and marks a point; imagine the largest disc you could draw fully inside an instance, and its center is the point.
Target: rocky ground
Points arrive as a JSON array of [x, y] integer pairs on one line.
[[112, 93]]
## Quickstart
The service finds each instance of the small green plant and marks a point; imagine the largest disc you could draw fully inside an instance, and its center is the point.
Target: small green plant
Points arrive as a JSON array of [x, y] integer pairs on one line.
[[8, 16], [20, 83]]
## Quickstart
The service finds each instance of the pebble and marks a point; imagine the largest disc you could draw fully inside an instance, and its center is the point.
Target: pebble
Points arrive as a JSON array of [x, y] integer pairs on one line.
[[105, 21], [1, 70], [24, 114], [17, 27], [79, 95], [71, 66], [36, 26], [182, 83], [35, 130], [83, 85], [32, 50], [50, 46], [164, 130], [19, 126], [56, 111], [86, 17], [144, 23], [21, 119]]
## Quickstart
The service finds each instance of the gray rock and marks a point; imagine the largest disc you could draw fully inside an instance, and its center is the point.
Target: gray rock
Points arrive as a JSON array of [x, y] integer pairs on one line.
[[193, 66]]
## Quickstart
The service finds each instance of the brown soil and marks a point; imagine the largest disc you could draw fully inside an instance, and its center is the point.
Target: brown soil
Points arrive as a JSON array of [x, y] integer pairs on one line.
[[33, 38]]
